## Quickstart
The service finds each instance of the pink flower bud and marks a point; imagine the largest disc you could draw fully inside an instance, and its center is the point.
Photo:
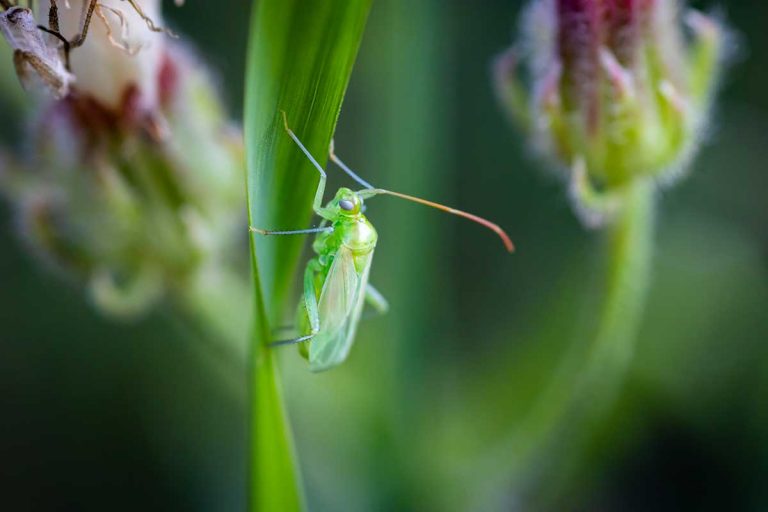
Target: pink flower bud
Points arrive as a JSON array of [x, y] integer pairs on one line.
[[619, 85]]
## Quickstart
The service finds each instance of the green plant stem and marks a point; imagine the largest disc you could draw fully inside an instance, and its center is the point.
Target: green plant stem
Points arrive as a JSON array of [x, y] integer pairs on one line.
[[585, 423], [600, 375], [588, 383], [630, 247], [273, 457]]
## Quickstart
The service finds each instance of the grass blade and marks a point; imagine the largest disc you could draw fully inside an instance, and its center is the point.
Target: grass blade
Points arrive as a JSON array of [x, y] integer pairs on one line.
[[300, 58]]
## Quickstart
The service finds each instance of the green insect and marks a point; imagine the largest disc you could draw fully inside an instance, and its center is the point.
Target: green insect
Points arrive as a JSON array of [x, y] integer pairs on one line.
[[336, 280]]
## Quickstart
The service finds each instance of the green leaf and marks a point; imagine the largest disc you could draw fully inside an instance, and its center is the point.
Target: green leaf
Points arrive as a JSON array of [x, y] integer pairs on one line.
[[300, 59]]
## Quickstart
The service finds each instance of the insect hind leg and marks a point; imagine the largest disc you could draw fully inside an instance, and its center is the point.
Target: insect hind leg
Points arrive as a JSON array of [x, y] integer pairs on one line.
[[317, 204], [293, 341], [376, 301], [310, 305]]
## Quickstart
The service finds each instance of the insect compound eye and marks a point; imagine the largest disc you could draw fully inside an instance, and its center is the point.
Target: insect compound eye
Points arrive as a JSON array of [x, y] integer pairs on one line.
[[346, 205]]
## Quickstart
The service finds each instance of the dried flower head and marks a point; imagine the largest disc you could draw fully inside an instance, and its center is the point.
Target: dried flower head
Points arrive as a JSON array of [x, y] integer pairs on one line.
[[133, 183], [124, 46]]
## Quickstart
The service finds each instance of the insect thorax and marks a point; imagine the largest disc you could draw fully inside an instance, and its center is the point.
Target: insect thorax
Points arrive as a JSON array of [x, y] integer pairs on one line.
[[354, 233]]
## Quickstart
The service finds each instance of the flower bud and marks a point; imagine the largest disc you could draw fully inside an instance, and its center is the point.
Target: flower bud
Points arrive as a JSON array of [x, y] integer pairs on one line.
[[124, 48], [618, 88], [133, 183]]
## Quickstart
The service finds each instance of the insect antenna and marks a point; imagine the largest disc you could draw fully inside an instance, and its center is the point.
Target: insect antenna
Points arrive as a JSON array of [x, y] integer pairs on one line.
[[371, 191], [474, 218]]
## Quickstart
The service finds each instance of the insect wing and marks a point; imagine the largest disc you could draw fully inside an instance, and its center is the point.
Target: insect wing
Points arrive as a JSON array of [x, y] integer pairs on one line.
[[340, 306]]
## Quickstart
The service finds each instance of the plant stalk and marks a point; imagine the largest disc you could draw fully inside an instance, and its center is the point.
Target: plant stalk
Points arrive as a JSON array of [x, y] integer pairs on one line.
[[630, 248], [588, 383], [585, 422], [275, 481]]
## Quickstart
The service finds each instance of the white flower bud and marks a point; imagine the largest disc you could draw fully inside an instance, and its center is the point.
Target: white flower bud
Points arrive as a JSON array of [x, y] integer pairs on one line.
[[121, 52]]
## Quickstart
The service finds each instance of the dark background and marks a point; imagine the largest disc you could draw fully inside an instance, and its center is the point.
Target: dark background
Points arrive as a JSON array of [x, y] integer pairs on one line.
[[101, 415]]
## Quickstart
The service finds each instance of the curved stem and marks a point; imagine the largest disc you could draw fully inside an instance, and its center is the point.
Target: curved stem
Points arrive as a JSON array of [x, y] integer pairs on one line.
[[582, 403], [630, 242], [585, 420], [571, 406]]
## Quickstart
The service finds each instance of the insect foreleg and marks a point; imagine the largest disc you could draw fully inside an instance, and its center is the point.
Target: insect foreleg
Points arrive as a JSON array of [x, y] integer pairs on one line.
[[317, 204]]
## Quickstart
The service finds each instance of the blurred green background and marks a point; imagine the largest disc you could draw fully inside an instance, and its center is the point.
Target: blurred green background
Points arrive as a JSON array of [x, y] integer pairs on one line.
[[99, 415]]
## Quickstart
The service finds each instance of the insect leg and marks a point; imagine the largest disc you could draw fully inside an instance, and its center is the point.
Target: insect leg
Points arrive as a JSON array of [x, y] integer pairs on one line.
[[344, 167], [310, 303], [327, 229], [310, 296], [293, 341], [317, 204], [376, 300]]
